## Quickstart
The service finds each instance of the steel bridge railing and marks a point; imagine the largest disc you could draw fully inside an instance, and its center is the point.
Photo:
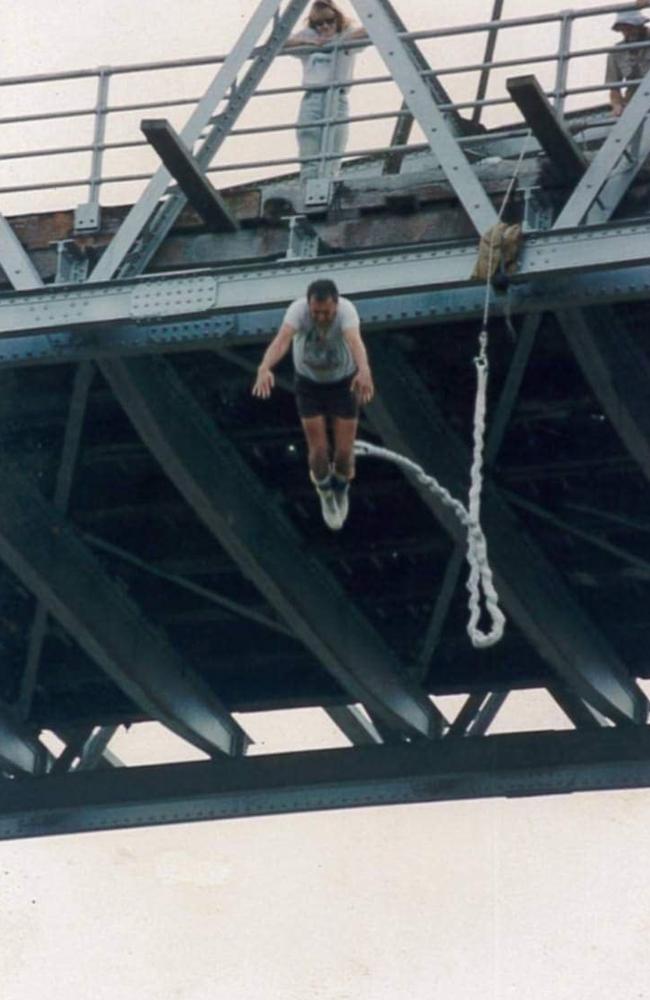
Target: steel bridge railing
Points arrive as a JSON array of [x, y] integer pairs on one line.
[[112, 125]]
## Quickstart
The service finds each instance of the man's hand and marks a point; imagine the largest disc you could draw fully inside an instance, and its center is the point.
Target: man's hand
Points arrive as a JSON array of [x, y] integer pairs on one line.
[[362, 385], [617, 110], [263, 383]]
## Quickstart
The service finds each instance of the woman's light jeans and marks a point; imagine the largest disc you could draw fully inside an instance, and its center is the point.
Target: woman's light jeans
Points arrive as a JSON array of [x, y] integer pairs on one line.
[[314, 107]]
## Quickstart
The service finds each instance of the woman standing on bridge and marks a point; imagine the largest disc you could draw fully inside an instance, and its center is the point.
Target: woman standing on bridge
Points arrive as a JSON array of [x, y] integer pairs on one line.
[[325, 62]]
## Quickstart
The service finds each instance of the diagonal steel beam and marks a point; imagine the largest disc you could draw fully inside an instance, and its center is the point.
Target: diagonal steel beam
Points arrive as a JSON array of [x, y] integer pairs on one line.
[[509, 764], [44, 552], [201, 194], [618, 371], [20, 751], [488, 55], [354, 725], [587, 536], [404, 125], [548, 128], [232, 503], [95, 748], [76, 415], [93, 752], [582, 715], [16, 264], [443, 143], [149, 221], [85, 750], [73, 750], [532, 591], [235, 607], [477, 714], [614, 167]]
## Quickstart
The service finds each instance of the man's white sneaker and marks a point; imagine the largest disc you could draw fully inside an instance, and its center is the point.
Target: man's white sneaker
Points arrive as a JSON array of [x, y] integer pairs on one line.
[[340, 489], [330, 509], [328, 504]]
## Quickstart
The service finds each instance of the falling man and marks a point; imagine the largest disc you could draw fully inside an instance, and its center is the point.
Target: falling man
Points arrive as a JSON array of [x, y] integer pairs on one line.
[[332, 380]]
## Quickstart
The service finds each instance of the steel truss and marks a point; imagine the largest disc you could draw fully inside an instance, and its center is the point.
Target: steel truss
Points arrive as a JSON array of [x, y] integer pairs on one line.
[[584, 259], [513, 765]]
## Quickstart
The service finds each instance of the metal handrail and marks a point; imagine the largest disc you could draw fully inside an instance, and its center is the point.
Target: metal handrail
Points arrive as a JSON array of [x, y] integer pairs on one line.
[[102, 110]]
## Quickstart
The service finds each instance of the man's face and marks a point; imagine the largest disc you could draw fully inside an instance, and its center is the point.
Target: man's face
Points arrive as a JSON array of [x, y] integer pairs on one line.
[[322, 311]]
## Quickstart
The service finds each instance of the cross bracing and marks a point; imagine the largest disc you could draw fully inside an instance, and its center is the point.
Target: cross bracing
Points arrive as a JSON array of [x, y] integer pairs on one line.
[[168, 481]]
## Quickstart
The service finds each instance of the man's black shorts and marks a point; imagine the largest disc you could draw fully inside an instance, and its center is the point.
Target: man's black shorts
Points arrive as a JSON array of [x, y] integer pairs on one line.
[[326, 399]]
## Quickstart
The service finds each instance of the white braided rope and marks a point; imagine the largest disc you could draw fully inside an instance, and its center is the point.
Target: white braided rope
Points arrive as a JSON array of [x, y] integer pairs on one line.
[[480, 575], [480, 583]]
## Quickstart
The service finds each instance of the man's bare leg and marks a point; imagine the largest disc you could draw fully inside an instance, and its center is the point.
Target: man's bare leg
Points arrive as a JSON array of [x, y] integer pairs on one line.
[[345, 433], [315, 429]]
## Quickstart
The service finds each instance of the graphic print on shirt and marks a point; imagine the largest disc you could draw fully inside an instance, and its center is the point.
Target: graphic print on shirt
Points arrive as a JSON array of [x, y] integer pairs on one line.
[[320, 353]]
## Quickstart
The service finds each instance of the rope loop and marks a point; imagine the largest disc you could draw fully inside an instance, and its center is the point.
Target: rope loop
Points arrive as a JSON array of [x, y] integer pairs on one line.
[[480, 582]]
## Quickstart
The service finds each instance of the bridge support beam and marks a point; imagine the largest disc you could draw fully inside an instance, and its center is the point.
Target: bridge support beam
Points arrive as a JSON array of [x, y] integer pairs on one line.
[[509, 765]]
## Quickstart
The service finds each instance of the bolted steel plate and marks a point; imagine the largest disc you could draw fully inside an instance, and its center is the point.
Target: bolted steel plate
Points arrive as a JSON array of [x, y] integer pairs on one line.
[[173, 297]]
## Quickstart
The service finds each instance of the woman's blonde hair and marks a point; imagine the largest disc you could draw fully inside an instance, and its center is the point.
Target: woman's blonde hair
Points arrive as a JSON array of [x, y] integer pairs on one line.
[[342, 22]]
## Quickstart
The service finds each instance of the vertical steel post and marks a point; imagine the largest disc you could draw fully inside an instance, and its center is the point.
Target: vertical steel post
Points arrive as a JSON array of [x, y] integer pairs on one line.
[[327, 168], [99, 134], [563, 56], [490, 46]]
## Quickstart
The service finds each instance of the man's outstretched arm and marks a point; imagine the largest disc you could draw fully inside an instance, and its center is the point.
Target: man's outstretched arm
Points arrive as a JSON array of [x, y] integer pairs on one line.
[[274, 352], [362, 382]]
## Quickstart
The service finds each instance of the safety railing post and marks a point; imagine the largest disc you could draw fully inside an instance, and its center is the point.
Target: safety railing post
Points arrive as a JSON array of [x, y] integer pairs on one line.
[[87, 216], [99, 134], [563, 56]]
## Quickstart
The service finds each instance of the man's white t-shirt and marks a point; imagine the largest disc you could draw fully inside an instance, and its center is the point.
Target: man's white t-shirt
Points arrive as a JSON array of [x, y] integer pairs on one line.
[[321, 67], [322, 355]]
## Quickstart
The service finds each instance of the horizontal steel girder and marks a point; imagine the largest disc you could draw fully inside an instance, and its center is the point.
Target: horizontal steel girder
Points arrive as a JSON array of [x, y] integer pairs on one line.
[[44, 552], [199, 296], [211, 475], [392, 310], [532, 591], [510, 765]]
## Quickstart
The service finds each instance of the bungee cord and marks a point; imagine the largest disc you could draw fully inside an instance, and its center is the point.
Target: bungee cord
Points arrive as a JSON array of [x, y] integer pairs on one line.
[[480, 582]]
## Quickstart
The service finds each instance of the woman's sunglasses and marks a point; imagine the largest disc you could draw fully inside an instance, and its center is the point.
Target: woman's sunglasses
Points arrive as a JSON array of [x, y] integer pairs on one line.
[[324, 22]]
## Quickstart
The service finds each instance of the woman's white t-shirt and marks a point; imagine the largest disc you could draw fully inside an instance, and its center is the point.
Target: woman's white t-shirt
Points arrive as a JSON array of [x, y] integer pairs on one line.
[[321, 67]]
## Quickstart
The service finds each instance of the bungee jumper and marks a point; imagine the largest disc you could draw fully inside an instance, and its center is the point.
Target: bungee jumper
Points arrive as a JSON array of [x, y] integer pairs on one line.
[[332, 381]]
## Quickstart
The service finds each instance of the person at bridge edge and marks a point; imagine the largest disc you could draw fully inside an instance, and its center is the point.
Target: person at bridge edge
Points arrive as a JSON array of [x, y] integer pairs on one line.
[[332, 380], [321, 67], [628, 64]]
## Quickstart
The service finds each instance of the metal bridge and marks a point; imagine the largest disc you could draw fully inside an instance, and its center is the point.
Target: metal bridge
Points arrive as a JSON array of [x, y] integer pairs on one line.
[[161, 553]]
